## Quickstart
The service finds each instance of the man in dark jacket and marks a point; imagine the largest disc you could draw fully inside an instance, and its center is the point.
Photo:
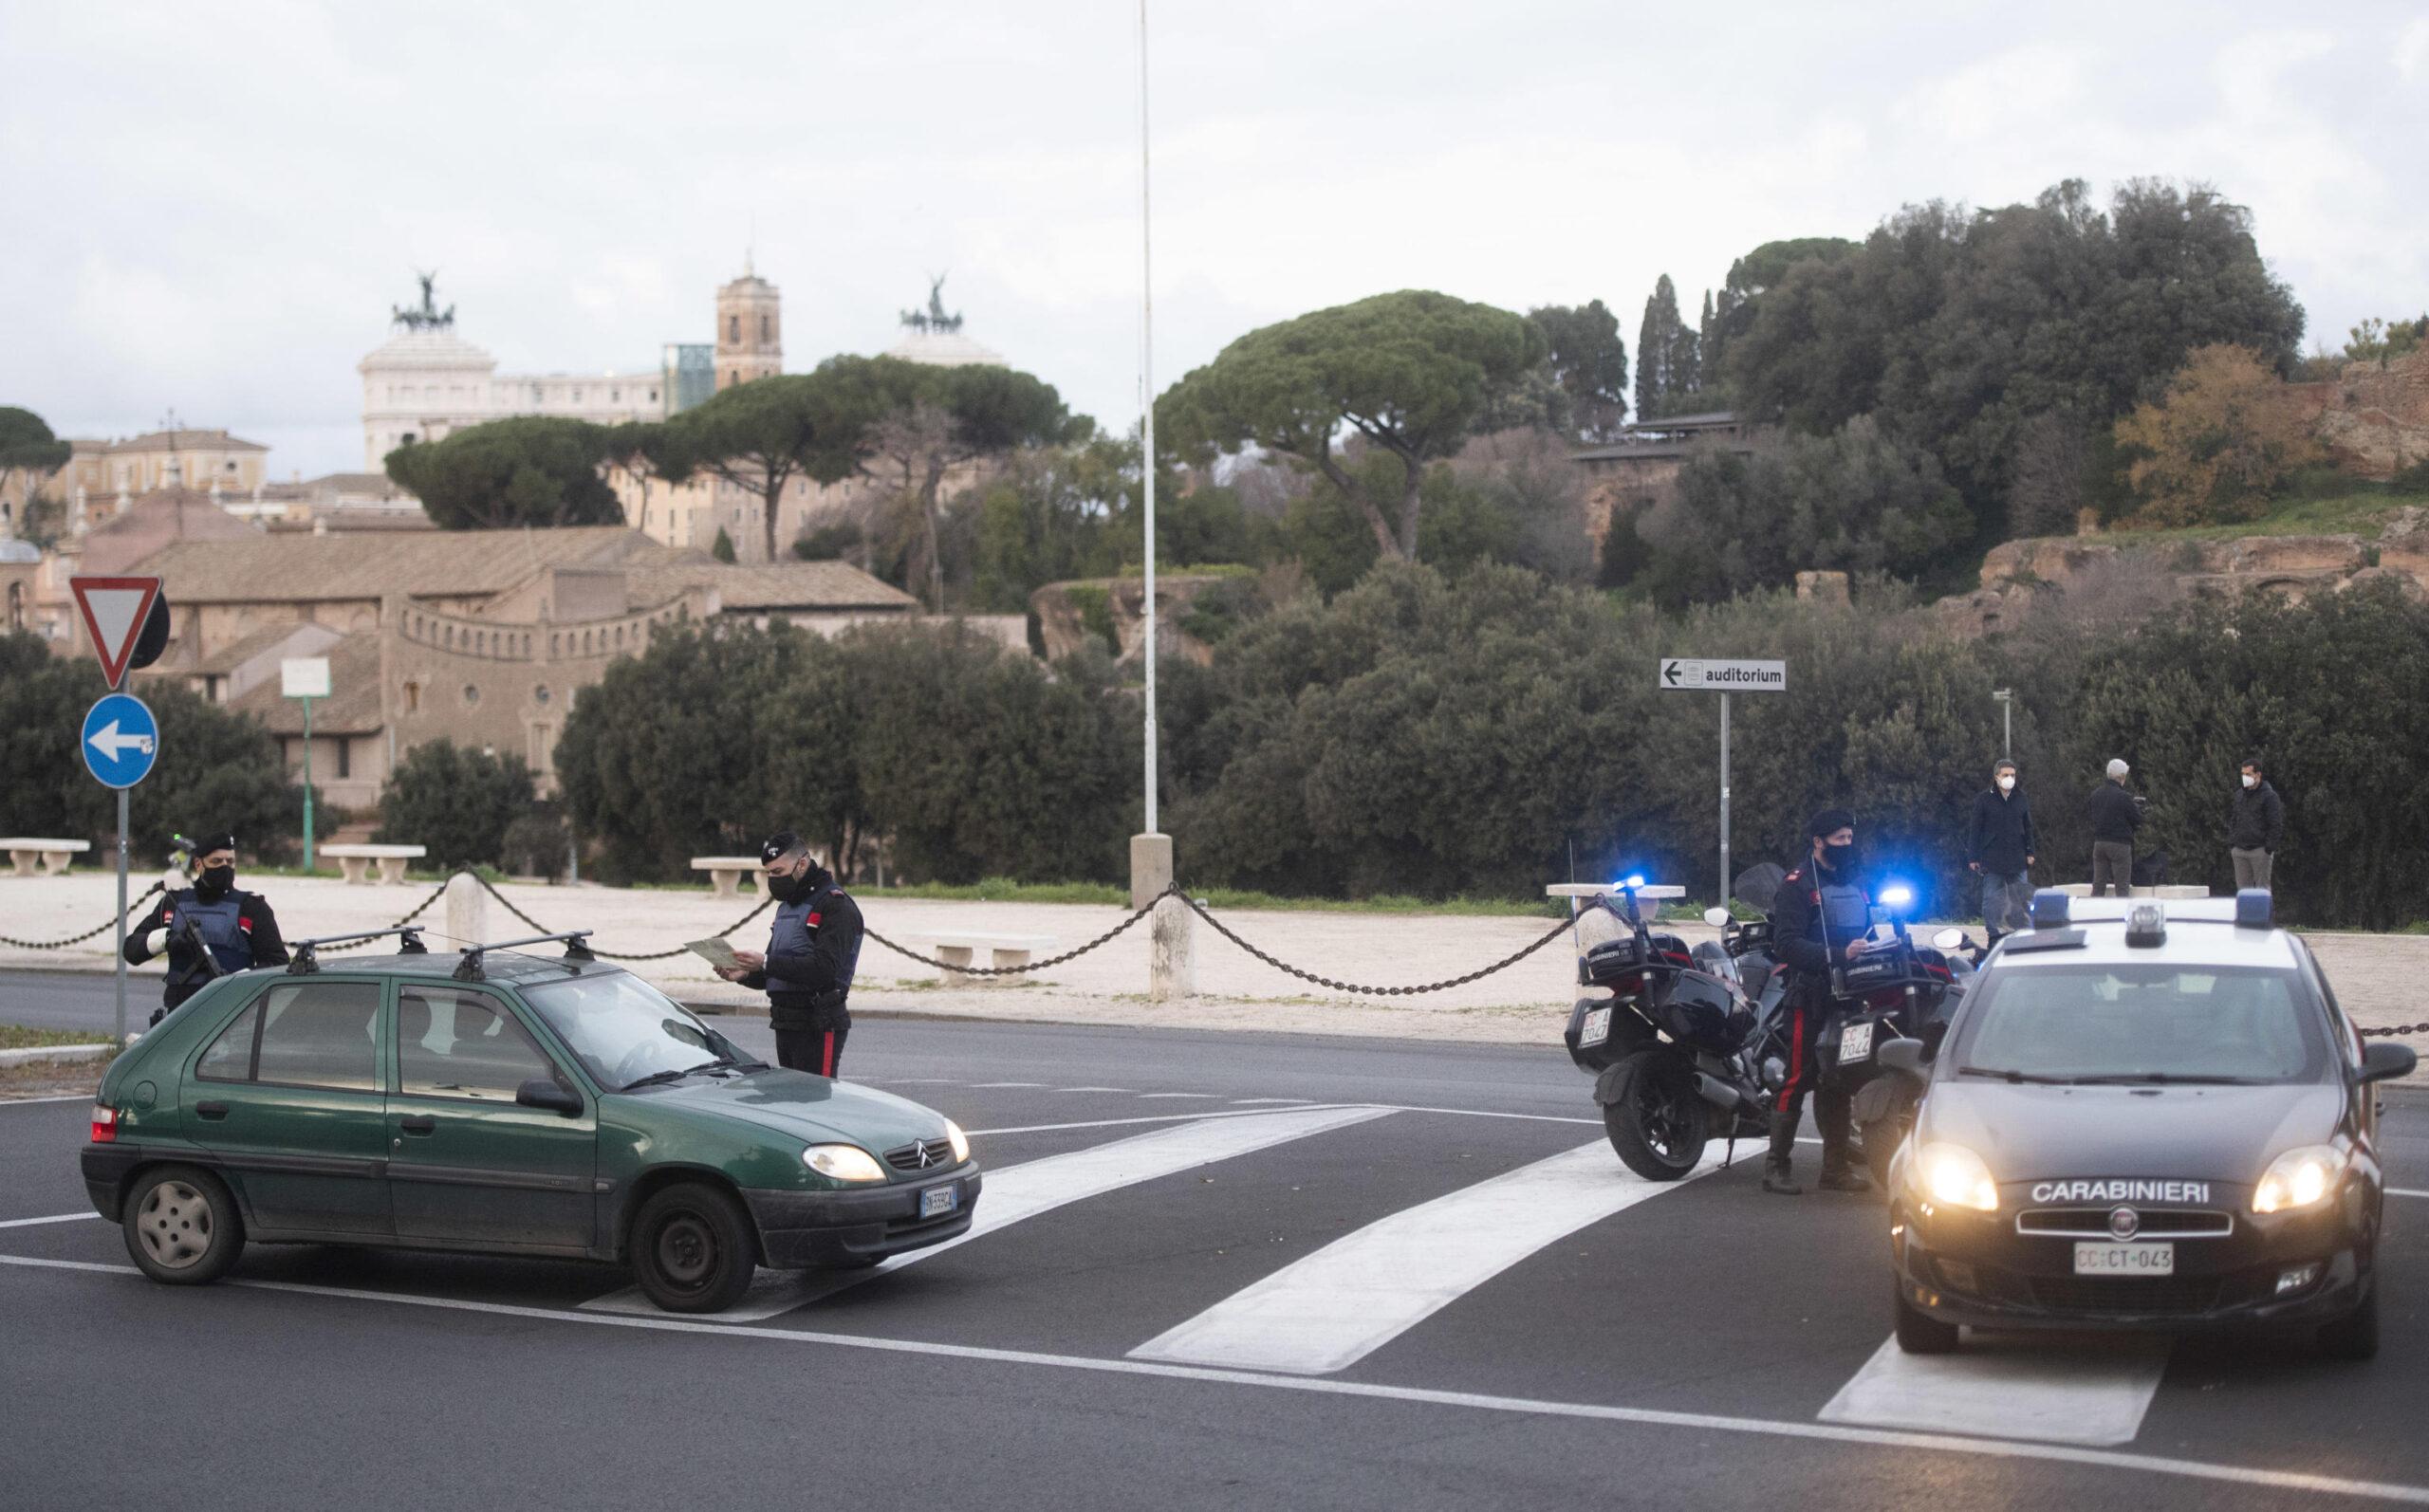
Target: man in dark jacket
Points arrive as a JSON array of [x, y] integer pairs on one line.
[[209, 929], [1820, 917], [813, 947], [2254, 826], [2115, 814], [2002, 851]]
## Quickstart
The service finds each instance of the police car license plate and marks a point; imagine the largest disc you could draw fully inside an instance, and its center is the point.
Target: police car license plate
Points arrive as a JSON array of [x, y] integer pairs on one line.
[[1855, 1042], [1596, 1028], [936, 1201], [2124, 1260]]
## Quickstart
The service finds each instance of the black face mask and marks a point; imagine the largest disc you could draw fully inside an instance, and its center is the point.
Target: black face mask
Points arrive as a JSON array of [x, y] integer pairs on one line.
[[1841, 859], [212, 882], [789, 889]]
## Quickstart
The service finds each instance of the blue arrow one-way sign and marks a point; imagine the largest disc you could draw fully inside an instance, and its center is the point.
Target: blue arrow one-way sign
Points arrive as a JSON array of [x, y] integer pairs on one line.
[[121, 741]]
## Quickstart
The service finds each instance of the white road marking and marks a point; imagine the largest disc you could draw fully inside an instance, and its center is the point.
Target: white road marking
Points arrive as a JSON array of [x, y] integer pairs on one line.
[[1638, 1416], [2406, 1191], [2081, 1391], [1359, 1293], [1150, 1096], [1157, 1117], [1022, 1191], [1242, 1102], [1007, 1083], [922, 1082], [61, 1218], [27, 1102], [1092, 1089]]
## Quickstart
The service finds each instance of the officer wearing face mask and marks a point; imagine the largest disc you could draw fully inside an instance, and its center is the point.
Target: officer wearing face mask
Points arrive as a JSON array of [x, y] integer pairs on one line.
[[813, 947], [209, 929], [1819, 919]]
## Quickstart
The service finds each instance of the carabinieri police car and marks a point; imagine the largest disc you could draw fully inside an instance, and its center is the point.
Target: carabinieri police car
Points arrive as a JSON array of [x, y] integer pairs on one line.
[[2145, 1115]]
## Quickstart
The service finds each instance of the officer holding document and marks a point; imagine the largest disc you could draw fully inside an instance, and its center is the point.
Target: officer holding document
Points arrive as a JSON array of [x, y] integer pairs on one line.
[[813, 948]]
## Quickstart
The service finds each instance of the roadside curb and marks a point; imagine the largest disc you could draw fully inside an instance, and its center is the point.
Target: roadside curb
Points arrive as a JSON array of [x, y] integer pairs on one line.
[[35, 1055]]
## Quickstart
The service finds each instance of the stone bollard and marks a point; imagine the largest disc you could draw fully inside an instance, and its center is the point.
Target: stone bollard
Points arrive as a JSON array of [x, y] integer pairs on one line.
[[1172, 951], [468, 910]]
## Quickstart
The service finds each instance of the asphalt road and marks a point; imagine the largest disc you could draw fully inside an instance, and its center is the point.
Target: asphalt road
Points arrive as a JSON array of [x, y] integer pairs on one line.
[[1320, 1273]]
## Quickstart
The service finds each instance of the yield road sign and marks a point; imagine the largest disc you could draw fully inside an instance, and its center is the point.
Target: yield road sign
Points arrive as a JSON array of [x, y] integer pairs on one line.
[[114, 610], [1704, 674], [121, 741]]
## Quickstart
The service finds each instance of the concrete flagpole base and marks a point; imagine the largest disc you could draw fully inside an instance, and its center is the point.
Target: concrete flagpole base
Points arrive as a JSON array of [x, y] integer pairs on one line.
[[1171, 955], [467, 908]]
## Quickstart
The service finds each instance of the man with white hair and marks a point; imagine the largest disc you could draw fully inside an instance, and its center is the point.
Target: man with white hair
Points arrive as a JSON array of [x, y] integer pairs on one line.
[[2115, 814]]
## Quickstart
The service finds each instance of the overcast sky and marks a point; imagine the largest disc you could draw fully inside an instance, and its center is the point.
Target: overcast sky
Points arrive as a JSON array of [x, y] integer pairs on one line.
[[212, 206]]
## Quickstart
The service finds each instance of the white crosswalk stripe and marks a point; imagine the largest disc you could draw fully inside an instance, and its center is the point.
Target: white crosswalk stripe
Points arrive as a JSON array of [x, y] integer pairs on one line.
[[1023, 1191], [1359, 1293], [2071, 1392]]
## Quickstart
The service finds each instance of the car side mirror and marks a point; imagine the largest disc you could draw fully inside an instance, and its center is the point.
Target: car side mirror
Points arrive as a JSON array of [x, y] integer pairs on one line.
[[2383, 1060], [1949, 939], [1717, 917], [1904, 1056], [541, 1092]]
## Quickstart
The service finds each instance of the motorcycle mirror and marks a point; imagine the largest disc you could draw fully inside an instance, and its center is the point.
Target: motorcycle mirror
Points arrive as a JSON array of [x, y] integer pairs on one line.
[[1950, 939], [1904, 1056], [1717, 916]]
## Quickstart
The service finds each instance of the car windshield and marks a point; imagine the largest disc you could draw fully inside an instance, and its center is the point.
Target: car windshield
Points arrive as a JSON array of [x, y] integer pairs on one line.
[[622, 1028], [2087, 1022]]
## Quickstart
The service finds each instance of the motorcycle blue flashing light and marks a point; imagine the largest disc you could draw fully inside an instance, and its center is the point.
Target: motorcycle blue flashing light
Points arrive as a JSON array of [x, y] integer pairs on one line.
[[1636, 880], [1897, 896]]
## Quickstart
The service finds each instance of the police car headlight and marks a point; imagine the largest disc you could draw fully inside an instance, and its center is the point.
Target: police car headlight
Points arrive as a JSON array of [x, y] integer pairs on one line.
[[842, 1163], [1954, 1177], [960, 1141], [2299, 1178]]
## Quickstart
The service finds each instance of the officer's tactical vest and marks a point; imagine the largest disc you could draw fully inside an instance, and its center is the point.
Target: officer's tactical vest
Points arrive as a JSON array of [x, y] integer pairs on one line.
[[217, 923], [794, 932]]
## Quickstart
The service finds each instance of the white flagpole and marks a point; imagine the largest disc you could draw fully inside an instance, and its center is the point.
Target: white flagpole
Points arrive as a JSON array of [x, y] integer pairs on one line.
[[1147, 407]]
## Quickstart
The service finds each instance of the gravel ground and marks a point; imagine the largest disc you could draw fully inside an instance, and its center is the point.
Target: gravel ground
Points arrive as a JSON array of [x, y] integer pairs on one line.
[[2377, 977]]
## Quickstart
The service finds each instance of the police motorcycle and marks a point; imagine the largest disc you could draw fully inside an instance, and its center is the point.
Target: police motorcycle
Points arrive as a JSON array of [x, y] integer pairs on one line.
[[1896, 990], [1675, 1043]]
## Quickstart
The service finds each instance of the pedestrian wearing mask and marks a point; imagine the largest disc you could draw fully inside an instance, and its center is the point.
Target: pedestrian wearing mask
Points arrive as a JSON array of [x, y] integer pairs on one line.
[[813, 947], [2254, 826], [2115, 814], [209, 929], [1820, 917], [2002, 852]]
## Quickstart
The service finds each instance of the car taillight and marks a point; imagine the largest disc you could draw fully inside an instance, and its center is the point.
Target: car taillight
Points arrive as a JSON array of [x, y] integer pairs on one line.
[[105, 1125]]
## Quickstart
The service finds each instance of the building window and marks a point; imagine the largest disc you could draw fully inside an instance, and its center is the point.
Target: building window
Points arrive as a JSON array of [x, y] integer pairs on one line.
[[763, 330], [472, 696], [615, 396], [345, 756], [413, 699], [540, 694], [734, 329]]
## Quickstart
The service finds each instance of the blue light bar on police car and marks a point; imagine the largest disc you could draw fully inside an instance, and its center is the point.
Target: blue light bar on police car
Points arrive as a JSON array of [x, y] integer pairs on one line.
[[2050, 908], [2253, 908]]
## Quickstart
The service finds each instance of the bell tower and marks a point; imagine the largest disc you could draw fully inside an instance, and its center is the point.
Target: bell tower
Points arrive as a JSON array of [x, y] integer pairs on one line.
[[749, 329]]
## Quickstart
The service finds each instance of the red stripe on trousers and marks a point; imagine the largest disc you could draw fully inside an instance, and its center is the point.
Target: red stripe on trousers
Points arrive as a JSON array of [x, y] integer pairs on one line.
[[1796, 1060], [826, 1055]]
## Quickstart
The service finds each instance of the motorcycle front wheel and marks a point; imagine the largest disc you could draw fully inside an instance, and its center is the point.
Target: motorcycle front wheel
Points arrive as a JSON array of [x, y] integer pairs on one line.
[[1657, 1120]]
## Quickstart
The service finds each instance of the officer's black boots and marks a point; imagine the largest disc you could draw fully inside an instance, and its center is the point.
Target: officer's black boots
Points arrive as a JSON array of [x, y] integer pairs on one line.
[[1838, 1175], [1778, 1176]]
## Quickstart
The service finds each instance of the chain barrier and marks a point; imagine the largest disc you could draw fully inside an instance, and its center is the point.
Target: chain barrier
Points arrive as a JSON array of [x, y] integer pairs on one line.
[[604, 955], [2392, 1030], [132, 910], [418, 909], [1504, 963], [1033, 965]]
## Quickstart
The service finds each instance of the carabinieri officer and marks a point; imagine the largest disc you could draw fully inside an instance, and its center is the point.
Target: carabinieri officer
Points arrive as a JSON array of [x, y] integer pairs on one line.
[[812, 949], [211, 929]]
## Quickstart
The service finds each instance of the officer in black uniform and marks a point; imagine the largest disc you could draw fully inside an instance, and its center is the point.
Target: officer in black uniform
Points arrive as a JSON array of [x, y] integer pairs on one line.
[[210, 929], [812, 949], [1819, 919]]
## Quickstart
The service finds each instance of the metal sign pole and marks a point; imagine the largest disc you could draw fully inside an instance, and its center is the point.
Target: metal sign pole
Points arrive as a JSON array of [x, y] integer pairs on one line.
[[307, 785], [1724, 799], [121, 916]]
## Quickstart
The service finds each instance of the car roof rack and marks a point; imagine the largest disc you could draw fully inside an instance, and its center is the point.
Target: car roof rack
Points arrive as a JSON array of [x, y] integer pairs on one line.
[[469, 969], [303, 959]]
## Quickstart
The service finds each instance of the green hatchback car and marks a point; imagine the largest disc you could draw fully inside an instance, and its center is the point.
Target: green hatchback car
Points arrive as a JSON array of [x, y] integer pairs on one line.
[[507, 1103]]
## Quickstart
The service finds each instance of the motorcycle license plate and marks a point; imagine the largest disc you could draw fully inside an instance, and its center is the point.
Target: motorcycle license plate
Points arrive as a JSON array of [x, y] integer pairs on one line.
[[2124, 1260], [936, 1201], [1855, 1042], [1596, 1028]]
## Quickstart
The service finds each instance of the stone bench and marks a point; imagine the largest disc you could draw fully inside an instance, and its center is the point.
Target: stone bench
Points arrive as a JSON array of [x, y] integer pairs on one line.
[[53, 855], [355, 860], [727, 874], [955, 948]]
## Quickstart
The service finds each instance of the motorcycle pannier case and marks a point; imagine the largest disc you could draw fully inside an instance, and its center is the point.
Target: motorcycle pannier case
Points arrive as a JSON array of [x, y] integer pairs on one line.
[[1625, 969], [1702, 1013]]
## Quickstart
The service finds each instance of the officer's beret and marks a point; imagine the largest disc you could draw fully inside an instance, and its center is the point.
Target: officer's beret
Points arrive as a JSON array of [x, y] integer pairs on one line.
[[777, 846]]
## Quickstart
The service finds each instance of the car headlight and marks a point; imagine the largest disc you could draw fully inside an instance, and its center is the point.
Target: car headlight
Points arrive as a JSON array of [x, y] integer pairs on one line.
[[842, 1163], [1954, 1177], [960, 1141], [2298, 1178]]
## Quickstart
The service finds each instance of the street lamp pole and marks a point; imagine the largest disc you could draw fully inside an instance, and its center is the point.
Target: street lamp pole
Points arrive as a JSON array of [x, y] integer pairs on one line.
[[2005, 697], [1147, 409]]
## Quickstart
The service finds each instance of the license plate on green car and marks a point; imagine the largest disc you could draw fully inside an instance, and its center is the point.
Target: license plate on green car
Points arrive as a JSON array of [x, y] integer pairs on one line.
[[937, 1201]]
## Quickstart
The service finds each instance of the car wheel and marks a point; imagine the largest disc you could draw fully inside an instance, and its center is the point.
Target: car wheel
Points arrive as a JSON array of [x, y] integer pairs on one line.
[[1919, 1333], [2355, 1335], [693, 1251], [181, 1225], [1657, 1120]]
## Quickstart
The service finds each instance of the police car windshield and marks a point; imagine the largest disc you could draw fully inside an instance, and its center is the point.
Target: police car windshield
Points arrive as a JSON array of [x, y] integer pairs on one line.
[[621, 1027], [2081, 1022]]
